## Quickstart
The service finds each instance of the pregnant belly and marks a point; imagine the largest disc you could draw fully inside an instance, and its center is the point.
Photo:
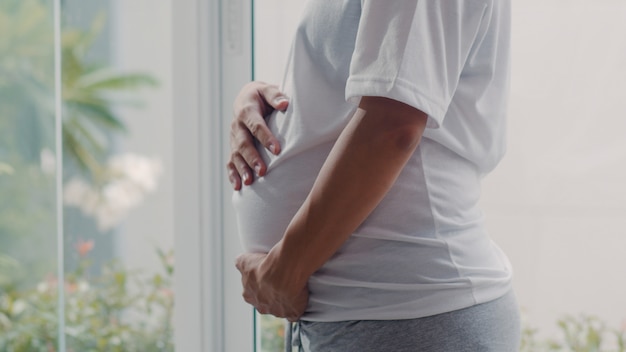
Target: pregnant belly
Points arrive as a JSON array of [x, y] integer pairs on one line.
[[265, 208]]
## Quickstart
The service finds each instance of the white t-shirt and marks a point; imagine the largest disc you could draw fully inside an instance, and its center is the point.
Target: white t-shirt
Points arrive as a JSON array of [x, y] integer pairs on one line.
[[424, 249]]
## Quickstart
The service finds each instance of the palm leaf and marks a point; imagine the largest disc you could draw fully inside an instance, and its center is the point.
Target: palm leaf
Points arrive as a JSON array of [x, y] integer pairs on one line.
[[5, 28], [80, 154], [97, 111], [6, 169], [73, 69], [90, 92], [108, 80], [86, 136], [97, 25]]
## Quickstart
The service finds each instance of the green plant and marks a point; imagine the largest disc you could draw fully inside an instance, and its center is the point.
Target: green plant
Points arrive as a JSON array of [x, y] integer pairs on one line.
[[6, 169], [117, 311], [583, 333], [90, 93], [27, 198], [27, 87], [88, 100], [272, 332]]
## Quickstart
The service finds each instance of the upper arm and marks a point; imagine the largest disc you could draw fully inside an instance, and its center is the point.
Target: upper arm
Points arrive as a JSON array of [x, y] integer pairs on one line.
[[393, 113], [403, 123]]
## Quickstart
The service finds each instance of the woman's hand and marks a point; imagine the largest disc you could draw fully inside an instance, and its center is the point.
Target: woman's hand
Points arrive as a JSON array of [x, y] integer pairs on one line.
[[255, 101], [267, 287]]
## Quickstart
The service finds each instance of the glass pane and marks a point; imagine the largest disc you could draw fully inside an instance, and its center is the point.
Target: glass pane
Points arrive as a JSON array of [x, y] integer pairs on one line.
[[117, 175], [28, 194], [272, 42], [115, 284]]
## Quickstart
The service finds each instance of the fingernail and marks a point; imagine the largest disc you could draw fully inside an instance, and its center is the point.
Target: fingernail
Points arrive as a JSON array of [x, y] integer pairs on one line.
[[257, 169], [246, 177], [279, 100], [272, 148]]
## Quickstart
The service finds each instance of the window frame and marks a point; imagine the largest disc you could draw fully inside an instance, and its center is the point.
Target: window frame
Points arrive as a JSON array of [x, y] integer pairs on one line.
[[212, 59]]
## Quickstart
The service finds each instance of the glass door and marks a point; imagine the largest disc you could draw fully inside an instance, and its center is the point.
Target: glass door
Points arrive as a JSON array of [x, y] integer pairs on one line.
[[30, 265], [117, 175], [86, 185]]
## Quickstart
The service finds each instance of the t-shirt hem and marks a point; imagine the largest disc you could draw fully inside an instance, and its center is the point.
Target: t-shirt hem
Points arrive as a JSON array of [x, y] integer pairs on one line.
[[427, 307], [397, 89]]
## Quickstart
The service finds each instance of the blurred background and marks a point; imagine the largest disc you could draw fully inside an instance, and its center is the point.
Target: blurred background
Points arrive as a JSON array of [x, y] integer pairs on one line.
[[556, 204], [116, 241]]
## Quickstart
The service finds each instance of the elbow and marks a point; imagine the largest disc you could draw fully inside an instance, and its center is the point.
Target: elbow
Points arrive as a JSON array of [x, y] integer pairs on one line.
[[405, 138], [401, 126]]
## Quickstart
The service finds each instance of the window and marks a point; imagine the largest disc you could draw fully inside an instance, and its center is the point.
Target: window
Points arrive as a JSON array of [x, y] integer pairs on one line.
[[142, 155], [93, 269]]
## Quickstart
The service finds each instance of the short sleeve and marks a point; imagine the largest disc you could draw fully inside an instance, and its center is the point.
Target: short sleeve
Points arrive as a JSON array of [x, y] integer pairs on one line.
[[414, 51]]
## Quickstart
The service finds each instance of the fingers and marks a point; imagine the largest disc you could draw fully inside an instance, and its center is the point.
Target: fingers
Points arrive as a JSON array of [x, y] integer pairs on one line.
[[239, 173], [268, 300], [233, 176], [276, 100], [244, 158], [246, 262], [255, 101], [276, 310], [239, 262], [274, 97], [257, 127], [288, 307], [244, 146]]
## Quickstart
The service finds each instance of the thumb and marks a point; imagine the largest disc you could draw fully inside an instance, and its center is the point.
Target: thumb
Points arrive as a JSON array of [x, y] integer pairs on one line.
[[240, 262], [275, 98], [246, 260], [280, 103]]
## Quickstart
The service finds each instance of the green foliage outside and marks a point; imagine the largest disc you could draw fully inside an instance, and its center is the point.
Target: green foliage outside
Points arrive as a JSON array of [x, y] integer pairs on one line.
[[107, 308], [272, 333], [90, 93], [583, 333], [26, 102], [118, 311]]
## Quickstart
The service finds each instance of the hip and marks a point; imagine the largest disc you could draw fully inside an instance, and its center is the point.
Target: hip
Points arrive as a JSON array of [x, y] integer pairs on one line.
[[490, 326]]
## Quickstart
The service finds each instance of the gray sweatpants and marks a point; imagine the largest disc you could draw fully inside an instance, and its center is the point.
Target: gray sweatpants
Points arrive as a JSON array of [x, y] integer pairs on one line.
[[489, 327]]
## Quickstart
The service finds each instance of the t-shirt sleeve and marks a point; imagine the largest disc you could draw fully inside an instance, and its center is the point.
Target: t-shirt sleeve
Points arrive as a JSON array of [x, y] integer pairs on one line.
[[413, 51]]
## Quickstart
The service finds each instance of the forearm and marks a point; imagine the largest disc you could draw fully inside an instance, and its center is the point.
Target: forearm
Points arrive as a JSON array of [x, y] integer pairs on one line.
[[362, 166]]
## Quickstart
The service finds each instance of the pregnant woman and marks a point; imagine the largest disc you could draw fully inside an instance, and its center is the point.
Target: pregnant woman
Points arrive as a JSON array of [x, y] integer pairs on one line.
[[358, 206]]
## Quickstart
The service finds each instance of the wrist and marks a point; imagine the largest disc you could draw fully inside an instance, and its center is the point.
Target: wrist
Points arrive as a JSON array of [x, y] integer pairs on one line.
[[285, 268]]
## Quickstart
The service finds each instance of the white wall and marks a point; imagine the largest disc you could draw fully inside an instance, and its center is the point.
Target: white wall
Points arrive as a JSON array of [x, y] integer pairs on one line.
[[557, 203]]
